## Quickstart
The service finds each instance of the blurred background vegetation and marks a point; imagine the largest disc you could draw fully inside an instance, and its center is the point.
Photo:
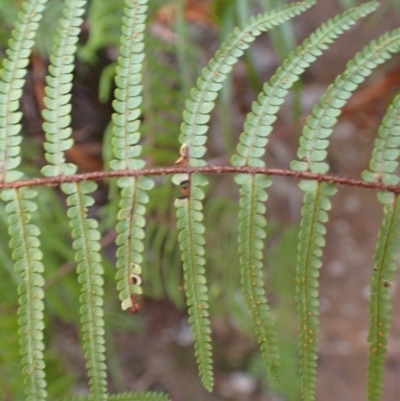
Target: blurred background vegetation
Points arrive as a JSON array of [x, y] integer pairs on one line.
[[151, 350]]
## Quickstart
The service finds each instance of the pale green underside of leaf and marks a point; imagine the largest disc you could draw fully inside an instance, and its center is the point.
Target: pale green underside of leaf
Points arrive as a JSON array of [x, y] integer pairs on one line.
[[251, 235], [385, 265], [383, 164], [25, 244], [201, 103], [258, 124], [253, 140], [11, 84], [128, 396], [24, 235], [57, 112], [191, 241], [128, 80], [315, 137], [311, 241], [90, 275], [384, 160], [312, 151], [130, 229], [193, 135], [125, 138]]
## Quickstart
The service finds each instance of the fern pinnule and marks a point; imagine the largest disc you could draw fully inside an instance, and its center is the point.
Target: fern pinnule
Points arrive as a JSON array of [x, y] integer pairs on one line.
[[258, 124], [311, 241], [125, 138], [314, 140], [193, 137], [199, 106], [191, 240], [25, 244], [251, 148], [140, 396], [385, 265], [11, 83], [384, 162], [58, 91], [84, 231], [90, 270], [251, 235], [312, 151], [24, 236], [386, 148]]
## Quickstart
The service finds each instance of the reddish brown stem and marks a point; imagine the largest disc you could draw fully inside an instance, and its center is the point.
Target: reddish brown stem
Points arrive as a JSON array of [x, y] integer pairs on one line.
[[101, 175]]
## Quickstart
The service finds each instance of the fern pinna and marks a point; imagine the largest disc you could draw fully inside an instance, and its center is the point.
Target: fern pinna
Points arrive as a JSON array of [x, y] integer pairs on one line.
[[126, 149], [24, 235], [253, 140], [383, 164], [312, 151], [84, 230], [192, 138]]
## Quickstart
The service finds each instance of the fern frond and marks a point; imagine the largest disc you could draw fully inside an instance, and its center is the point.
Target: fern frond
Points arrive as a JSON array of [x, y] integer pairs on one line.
[[385, 258], [314, 140], [258, 124], [383, 164], [312, 151], [191, 240], [251, 235], [25, 243], [11, 83], [199, 106], [311, 241], [86, 243], [139, 396], [84, 231], [193, 138], [126, 150], [251, 148], [23, 234], [386, 148]]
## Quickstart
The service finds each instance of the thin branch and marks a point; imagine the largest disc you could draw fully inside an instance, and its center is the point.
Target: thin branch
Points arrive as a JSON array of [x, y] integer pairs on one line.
[[101, 175]]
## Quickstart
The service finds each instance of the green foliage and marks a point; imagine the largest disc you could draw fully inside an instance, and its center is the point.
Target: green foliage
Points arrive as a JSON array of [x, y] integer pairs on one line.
[[192, 137], [312, 151], [20, 204], [251, 148], [124, 142], [125, 150], [382, 165]]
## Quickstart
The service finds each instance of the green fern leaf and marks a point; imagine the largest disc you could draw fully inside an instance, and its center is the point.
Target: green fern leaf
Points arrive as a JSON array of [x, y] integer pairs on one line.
[[12, 81], [383, 164], [200, 105], [24, 236], [312, 151], [193, 138], [25, 243], [385, 266], [314, 141], [192, 241], [84, 231], [86, 243], [311, 241], [139, 396], [126, 150], [253, 140]]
